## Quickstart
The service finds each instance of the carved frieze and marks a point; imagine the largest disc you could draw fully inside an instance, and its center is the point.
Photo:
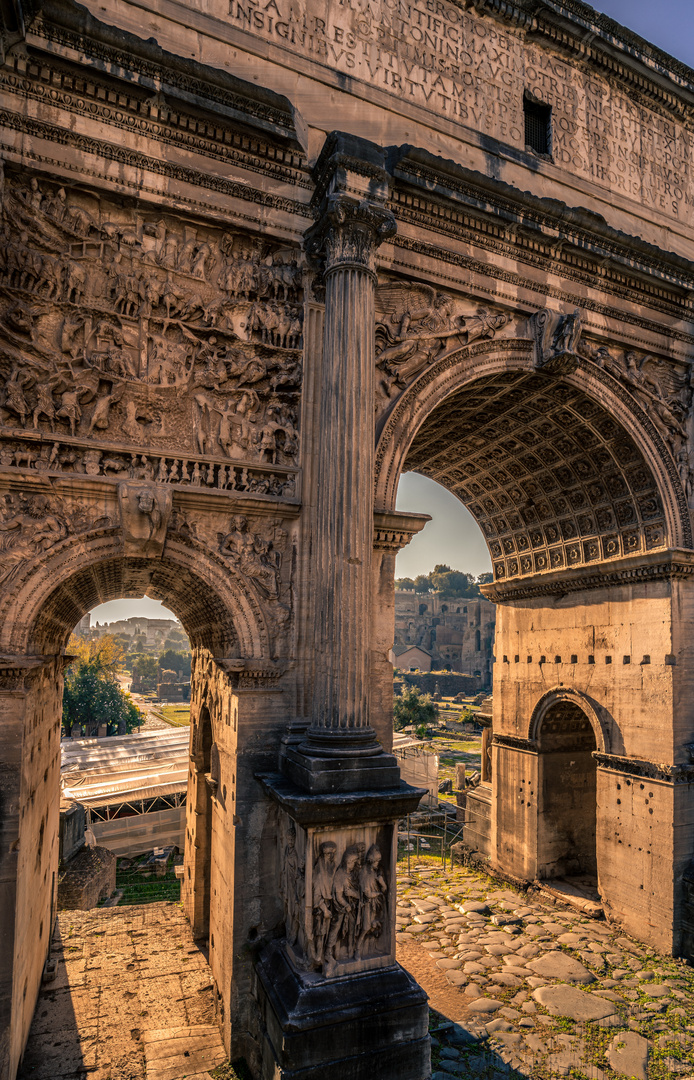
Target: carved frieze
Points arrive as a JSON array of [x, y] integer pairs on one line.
[[127, 327], [336, 896], [35, 453]]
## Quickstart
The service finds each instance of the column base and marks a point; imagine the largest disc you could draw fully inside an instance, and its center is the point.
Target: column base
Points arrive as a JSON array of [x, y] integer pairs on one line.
[[323, 775], [356, 1027]]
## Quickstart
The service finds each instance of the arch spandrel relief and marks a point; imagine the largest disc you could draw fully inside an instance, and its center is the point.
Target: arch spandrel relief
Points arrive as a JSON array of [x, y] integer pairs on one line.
[[538, 452], [143, 345]]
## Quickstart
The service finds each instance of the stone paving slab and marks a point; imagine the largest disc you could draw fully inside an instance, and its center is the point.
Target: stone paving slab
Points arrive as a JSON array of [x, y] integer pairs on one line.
[[175, 1053], [554, 993], [125, 975]]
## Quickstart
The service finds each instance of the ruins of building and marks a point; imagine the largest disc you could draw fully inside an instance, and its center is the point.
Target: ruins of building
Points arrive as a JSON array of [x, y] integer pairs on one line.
[[257, 259], [457, 634]]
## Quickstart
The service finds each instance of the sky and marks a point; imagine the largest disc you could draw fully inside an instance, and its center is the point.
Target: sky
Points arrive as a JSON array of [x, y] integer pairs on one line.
[[666, 23], [452, 536]]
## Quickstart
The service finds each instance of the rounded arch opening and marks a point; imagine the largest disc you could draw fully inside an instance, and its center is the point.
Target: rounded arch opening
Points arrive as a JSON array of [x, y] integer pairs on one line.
[[554, 477], [217, 609], [567, 803]]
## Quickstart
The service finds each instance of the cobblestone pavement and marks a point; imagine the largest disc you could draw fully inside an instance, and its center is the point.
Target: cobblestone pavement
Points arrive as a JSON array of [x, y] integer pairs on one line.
[[123, 975], [520, 986]]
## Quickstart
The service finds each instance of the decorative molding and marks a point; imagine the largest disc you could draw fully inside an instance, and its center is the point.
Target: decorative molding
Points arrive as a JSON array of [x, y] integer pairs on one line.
[[137, 161], [459, 202], [471, 265], [629, 571], [649, 770], [393, 531], [98, 101], [515, 742], [67, 25]]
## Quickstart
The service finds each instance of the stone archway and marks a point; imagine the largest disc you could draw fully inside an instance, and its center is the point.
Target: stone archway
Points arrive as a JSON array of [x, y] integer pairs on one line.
[[579, 498], [233, 679], [567, 794]]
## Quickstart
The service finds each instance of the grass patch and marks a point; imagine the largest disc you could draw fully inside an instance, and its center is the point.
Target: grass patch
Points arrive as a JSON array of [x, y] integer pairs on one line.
[[176, 715], [140, 883]]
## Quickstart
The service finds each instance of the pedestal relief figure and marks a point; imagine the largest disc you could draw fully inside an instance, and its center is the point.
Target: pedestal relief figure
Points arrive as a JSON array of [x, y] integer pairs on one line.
[[373, 892], [323, 873], [345, 899]]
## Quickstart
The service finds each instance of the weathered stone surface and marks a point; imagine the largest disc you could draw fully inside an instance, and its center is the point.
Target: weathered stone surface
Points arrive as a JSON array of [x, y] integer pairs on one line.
[[570, 1001], [558, 965], [628, 1054]]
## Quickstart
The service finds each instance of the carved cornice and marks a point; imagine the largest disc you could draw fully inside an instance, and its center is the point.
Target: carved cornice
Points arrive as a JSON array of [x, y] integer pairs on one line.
[[93, 42], [453, 200], [40, 78], [649, 770], [137, 161], [393, 531], [515, 742], [631, 570]]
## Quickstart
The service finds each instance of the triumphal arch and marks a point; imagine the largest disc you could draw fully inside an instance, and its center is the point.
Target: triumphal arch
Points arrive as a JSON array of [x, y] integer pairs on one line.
[[258, 257]]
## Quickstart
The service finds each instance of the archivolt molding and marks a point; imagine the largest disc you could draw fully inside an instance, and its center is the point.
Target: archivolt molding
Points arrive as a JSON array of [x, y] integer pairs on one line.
[[30, 608], [648, 513], [581, 701]]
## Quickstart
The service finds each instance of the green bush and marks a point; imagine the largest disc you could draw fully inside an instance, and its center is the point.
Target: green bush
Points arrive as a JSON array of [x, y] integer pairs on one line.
[[413, 708]]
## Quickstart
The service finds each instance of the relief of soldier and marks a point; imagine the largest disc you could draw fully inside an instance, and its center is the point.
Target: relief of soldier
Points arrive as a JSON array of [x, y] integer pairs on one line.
[[348, 905]]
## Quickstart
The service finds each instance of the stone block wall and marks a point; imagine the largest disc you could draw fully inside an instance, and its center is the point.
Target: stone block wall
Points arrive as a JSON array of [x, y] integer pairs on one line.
[[449, 684], [87, 878]]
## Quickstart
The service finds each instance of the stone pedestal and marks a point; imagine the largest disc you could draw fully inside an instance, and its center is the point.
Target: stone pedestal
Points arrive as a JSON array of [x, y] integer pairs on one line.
[[332, 998]]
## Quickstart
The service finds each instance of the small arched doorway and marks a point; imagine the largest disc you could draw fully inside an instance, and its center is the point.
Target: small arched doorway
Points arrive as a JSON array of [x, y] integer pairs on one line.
[[567, 810]]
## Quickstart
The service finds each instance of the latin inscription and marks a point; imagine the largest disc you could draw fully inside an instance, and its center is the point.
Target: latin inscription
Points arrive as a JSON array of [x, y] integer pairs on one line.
[[467, 69]]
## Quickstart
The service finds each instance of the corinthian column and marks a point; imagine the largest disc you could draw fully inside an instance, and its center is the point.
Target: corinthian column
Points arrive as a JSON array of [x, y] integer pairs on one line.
[[352, 220]]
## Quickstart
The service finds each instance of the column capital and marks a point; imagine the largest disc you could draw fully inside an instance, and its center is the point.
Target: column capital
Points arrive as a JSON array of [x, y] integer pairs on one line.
[[352, 218]]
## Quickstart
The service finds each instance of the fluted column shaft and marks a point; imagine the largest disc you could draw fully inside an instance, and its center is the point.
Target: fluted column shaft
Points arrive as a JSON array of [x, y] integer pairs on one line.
[[343, 534]]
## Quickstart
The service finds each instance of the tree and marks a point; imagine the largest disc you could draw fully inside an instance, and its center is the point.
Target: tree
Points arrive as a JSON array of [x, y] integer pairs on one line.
[[105, 653], [453, 582], [404, 583], [422, 583], [91, 694], [144, 666], [176, 639], [178, 661], [413, 708]]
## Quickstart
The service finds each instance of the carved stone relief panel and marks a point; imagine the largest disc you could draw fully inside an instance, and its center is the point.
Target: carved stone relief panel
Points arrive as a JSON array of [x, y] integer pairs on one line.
[[416, 326], [34, 522], [142, 345], [338, 897]]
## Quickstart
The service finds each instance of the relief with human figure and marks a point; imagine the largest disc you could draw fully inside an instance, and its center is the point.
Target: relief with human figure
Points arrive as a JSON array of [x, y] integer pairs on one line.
[[124, 325]]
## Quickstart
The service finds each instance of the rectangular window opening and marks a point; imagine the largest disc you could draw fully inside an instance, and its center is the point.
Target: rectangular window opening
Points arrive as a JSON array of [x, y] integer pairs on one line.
[[538, 118]]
